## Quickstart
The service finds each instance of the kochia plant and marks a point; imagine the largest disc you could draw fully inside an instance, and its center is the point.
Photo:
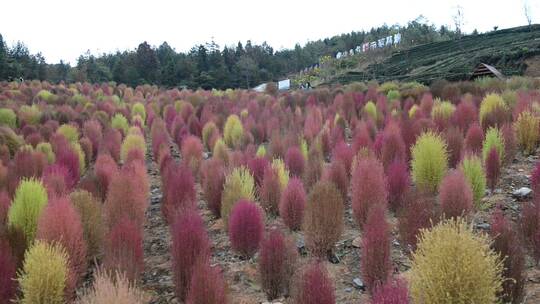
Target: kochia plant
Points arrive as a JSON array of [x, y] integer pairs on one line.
[[474, 172], [239, 184], [246, 227], [376, 260], [314, 285], [233, 131], [429, 161], [369, 188], [527, 131], [455, 195]]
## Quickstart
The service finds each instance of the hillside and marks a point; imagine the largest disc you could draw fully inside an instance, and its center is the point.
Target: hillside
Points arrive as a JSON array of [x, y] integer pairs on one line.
[[509, 50]]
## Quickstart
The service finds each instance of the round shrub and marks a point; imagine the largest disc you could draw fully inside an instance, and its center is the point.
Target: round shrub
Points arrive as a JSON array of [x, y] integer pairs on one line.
[[454, 141], [314, 168], [8, 118], [344, 153], [210, 133], [123, 250], [490, 104], [246, 227], [190, 246], [179, 192], [131, 142], [417, 214], [29, 201], [393, 147], [112, 288], [369, 188], [233, 131], [436, 277], [314, 286], [393, 292], [455, 195], [207, 285], [213, 178], [493, 139], [69, 132], [441, 113], [47, 150], [493, 168], [44, 274], [283, 174], [510, 142], [104, 169], [370, 109], [8, 272], [429, 161], [239, 184], [89, 210], [138, 109], [399, 184], [337, 174], [120, 123], [323, 218], [111, 143], [472, 168], [257, 166], [221, 151], [56, 180], [474, 139], [295, 161], [376, 263], [527, 131], [270, 191], [292, 204], [92, 130], [192, 152]]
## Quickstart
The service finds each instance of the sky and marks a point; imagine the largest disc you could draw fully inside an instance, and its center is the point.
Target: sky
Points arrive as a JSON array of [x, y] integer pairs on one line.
[[65, 29]]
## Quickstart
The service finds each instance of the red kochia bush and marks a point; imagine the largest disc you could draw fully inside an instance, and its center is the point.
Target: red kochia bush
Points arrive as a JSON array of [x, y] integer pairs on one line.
[[337, 174], [111, 142], [190, 245], [206, 286], [493, 168], [454, 141], [178, 191], [92, 130], [510, 142], [417, 213], [29, 163], [105, 168], [393, 146], [123, 250], [535, 179], [315, 286], [530, 225], [376, 261], [295, 161], [246, 227], [368, 188], [393, 292], [8, 273], [507, 244], [345, 154], [270, 191], [257, 166], [213, 178], [464, 115], [56, 180], [455, 195], [192, 152], [399, 184], [276, 264], [60, 222], [474, 139], [67, 157], [292, 204], [5, 203]]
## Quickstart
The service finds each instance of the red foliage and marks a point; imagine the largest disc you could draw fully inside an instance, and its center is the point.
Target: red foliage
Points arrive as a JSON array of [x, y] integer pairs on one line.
[[314, 168], [455, 195], [190, 245], [292, 204], [8, 273], [361, 138], [276, 147], [474, 139], [369, 188], [510, 142], [493, 168], [92, 130], [315, 286], [376, 260], [393, 292], [270, 191], [111, 142], [60, 222], [393, 146], [276, 264], [337, 174], [86, 146], [34, 139], [246, 227], [295, 161], [57, 181], [192, 150], [345, 154], [213, 177], [535, 179], [399, 184], [417, 213], [530, 225], [29, 164], [3, 176], [454, 140], [67, 157], [207, 285], [124, 249], [465, 114], [104, 169], [507, 243], [135, 155], [496, 118], [178, 191], [5, 203], [257, 166]]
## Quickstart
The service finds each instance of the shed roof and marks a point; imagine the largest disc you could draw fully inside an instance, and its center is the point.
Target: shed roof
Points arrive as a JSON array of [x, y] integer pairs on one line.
[[486, 70]]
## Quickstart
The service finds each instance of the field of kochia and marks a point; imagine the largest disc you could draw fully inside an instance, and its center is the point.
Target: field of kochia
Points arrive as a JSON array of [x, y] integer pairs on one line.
[[364, 193]]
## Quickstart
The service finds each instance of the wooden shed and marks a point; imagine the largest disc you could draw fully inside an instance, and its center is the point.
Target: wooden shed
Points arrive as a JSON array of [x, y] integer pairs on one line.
[[486, 70]]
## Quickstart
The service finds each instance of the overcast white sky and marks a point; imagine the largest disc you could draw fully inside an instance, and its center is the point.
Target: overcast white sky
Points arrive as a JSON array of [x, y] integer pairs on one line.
[[64, 29]]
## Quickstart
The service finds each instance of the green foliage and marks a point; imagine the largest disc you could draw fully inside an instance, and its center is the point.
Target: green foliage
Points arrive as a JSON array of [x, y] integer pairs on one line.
[[46, 148], [132, 141], [527, 131], [208, 130], [120, 123], [46, 96], [44, 275], [454, 265], [388, 86], [283, 174], [442, 110], [304, 148], [28, 203], [492, 139], [82, 159], [30, 114], [489, 104], [393, 95], [371, 110], [8, 118], [10, 139], [90, 211], [474, 172], [412, 110], [221, 151], [69, 132], [429, 161], [261, 151], [138, 109], [233, 131], [239, 184]]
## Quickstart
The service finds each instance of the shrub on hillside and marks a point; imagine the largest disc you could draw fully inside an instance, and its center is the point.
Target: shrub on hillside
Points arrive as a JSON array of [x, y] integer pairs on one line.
[[429, 161], [92, 130], [417, 213], [314, 285], [233, 131], [179, 193], [393, 147], [295, 161], [454, 142], [530, 226], [337, 174], [292, 204], [190, 245], [213, 178], [510, 142], [68, 157], [120, 123], [207, 285], [344, 153], [491, 104], [455, 195], [111, 143], [376, 263], [132, 142], [8, 272], [246, 227], [112, 288], [493, 139], [276, 264], [47, 150], [257, 167], [44, 274], [323, 218], [89, 210], [314, 168], [56, 180], [369, 188], [465, 115], [399, 184], [239, 184], [123, 250], [210, 133], [70, 132], [493, 169], [270, 191], [104, 169], [393, 292], [5, 203], [221, 151], [436, 277], [192, 152], [8, 118], [28, 203], [527, 132]]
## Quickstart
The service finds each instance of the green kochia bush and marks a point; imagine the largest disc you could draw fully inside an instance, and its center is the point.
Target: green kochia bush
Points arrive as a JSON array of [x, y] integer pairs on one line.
[[28, 203], [239, 184], [233, 131], [495, 140], [475, 175], [429, 161], [120, 123], [8, 118], [138, 109]]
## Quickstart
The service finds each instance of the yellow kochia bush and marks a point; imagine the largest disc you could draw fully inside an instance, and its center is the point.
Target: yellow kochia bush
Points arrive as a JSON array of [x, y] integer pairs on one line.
[[239, 184], [132, 141], [429, 161], [452, 264], [233, 131], [527, 131]]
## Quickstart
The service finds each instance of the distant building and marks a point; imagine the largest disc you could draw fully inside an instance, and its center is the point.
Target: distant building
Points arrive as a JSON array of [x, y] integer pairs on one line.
[[486, 70], [284, 85], [260, 88]]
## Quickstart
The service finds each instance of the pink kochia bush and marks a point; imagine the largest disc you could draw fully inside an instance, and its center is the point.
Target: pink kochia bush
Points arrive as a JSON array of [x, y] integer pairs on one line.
[[337, 174], [8, 272], [344, 153], [292, 204], [368, 188], [60, 222], [417, 213], [67, 157], [57, 181], [530, 225], [104, 169], [493, 168], [213, 177], [314, 286], [246, 228], [190, 246], [178, 190], [474, 139], [276, 264], [257, 166], [111, 142], [455, 195], [5, 203], [393, 146], [206, 286], [192, 152], [270, 191], [399, 184], [376, 260], [393, 292], [535, 180], [295, 161], [124, 249]]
